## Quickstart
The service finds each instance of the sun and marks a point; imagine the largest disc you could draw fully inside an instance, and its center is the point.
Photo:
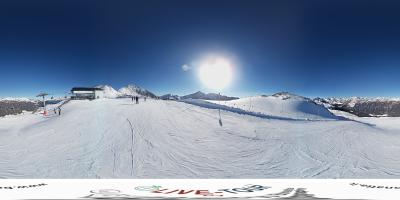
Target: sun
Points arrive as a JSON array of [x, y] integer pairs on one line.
[[216, 73]]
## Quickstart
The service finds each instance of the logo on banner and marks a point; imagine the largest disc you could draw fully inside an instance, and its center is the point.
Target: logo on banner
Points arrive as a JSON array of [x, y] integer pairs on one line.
[[299, 194], [184, 193], [159, 190]]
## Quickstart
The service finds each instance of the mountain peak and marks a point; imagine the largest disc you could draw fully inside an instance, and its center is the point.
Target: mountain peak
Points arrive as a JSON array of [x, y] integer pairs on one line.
[[199, 92], [109, 92], [133, 86], [129, 90], [134, 90]]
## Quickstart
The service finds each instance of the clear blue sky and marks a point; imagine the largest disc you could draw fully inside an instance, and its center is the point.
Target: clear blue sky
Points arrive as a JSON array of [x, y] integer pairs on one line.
[[313, 48]]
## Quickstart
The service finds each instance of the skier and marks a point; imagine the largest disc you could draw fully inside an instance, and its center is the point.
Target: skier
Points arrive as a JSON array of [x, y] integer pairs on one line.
[[59, 111], [55, 112], [144, 98], [132, 98], [137, 99]]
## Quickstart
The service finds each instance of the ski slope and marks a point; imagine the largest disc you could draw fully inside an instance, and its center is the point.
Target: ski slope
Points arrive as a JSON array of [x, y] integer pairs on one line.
[[115, 138], [282, 105], [388, 123]]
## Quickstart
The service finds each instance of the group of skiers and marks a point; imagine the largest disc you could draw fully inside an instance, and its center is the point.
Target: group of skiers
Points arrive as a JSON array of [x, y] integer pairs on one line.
[[58, 109], [136, 98]]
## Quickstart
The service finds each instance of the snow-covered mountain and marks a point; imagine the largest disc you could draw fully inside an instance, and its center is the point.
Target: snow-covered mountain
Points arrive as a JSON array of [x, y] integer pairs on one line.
[[363, 107], [11, 106], [281, 104], [133, 90], [127, 91], [109, 92], [208, 96]]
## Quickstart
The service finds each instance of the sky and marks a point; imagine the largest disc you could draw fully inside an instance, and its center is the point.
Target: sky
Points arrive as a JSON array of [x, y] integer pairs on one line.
[[312, 48]]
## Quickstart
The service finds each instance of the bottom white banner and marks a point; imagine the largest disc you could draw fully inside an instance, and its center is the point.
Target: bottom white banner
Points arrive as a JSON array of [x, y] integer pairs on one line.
[[226, 189]]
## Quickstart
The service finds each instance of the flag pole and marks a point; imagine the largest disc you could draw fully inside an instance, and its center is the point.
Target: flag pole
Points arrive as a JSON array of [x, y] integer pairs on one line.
[[219, 109]]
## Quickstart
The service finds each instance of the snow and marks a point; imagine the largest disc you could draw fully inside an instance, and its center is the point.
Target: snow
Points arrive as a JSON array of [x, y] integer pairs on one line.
[[116, 138], [388, 123], [286, 105]]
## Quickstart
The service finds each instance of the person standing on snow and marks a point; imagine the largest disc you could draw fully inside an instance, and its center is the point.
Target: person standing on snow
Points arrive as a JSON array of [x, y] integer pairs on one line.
[[137, 99], [59, 111]]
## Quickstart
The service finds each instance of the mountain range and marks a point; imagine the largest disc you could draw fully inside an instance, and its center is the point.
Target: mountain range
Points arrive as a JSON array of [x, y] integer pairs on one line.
[[363, 107], [199, 95]]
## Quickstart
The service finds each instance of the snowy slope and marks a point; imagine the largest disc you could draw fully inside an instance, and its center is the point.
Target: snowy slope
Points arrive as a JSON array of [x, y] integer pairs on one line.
[[282, 105], [114, 138], [388, 123]]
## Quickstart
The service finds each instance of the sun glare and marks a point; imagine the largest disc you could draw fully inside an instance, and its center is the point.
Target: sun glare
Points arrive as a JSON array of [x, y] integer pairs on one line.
[[216, 73]]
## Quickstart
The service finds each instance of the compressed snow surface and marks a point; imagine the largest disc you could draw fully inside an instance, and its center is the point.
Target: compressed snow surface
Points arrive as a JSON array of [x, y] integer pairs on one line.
[[116, 138]]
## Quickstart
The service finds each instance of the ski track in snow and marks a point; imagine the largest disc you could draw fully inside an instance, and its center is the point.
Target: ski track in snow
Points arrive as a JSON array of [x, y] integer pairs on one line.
[[116, 138]]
